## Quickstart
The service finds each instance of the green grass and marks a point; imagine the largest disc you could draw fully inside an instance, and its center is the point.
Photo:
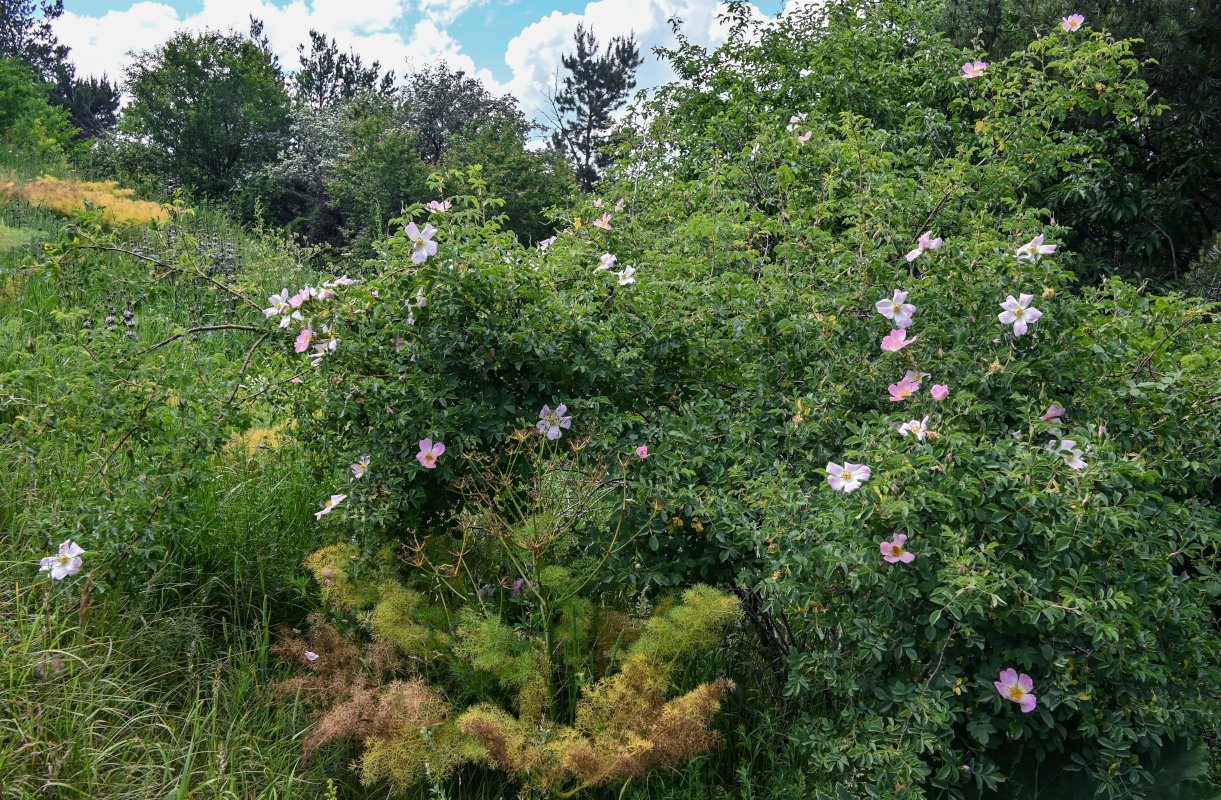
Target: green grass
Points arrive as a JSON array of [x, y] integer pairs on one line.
[[138, 708], [13, 238], [159, 686]]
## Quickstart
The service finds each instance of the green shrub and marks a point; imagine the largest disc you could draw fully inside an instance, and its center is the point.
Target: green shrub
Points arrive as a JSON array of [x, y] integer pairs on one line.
[[744, 352]]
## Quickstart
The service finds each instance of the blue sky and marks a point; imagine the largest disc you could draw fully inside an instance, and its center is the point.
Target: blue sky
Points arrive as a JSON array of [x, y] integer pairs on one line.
[[512, 45]]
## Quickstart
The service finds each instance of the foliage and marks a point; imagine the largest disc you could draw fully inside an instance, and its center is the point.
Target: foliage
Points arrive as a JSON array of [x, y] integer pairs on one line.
[[743, 351], [215, 102], [597, 85], [328, 77], [529, 181], [1160, 193], [293, 191], [446, 105], [26, 35], [378, 174], [27, 121], [92, 104], [1204, 277]]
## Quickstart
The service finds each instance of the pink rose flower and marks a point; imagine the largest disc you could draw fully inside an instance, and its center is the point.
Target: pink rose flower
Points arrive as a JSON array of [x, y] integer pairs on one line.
[[894, 552], [1017, 688], [429, 452]]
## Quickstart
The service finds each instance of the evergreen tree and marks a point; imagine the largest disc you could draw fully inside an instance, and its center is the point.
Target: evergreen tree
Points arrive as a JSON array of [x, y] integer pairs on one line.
[[597, 84], [26, 35], [328, 77], [92, 104]]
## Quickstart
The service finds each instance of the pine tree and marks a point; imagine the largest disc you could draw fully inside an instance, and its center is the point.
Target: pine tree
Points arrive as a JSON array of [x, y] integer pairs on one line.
[[596, 86], [329, 77], [26, 35]]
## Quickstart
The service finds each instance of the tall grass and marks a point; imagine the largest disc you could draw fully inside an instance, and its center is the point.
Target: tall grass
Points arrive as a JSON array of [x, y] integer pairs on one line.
[[163, 690], [110, 705]]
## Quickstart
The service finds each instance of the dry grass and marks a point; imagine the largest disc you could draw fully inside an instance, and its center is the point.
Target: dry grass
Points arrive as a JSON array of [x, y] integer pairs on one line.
[[69, 197]]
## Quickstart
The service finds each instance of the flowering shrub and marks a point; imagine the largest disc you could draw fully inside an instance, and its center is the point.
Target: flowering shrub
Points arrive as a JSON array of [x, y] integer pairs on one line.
[[903, 548]]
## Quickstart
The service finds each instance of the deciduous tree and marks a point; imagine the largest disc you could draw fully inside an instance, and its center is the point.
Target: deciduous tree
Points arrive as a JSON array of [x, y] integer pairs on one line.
[[215, 102]]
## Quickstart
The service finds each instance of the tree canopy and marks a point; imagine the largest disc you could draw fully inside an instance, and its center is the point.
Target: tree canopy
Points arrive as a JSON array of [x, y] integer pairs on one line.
[[214, 102]]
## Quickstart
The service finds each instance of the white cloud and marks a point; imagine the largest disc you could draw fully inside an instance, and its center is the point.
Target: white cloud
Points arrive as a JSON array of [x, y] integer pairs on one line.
[[444, 12], [374, 28], [402, 34], [534, 54]]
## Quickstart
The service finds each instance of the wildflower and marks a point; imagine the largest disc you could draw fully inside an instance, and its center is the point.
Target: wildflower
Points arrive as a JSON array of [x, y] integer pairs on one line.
[[626, 275], [939, 391], [1019, 313], [847, 478], [280, 305], [310, 656], [550, 422], [1052, 415], [1073, 459], [795, 120], [915, 378], [897, 340], [925, 242], [974, 69], [67, 562], [1017, 688], [517, 586], [1033, 250], [298, 299], [902, 390], [917, 428], [894, 552], [545, 243], [605, 262], [619, 206], [603, 222], [429, 452], [897, 308], [303, 339], [360, 467], [329, 505], [1071, 23], [643, 451], [439, 206], [754, 152], [805, 137], [598, 203], [342, 280], [422, 244]]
